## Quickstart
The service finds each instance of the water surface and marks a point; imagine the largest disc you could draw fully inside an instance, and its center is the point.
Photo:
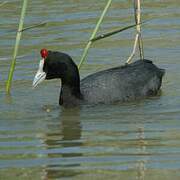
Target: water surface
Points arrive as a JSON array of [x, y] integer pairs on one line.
[[40, 140]]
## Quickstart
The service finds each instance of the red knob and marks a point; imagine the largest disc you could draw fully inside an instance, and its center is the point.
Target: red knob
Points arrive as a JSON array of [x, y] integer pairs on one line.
[[44, 53]]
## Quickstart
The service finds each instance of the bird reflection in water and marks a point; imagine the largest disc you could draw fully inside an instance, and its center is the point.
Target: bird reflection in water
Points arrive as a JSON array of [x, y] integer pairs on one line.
[[64, 136]]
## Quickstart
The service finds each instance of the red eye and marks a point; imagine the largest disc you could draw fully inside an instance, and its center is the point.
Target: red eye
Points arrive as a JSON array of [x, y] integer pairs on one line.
[[44, 53]]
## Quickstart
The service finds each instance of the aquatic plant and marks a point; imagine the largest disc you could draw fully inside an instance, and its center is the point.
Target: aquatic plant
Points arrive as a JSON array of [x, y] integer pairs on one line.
[[3, 3], [16, 47], [138, 37], [94, 33], [93, 38]]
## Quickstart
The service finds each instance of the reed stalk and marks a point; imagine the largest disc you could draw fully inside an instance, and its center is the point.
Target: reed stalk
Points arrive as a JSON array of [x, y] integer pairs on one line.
[[16, 47], [94, 33], [102, 36], [34, 26], [3, 3], [138, 37], [137, 9]]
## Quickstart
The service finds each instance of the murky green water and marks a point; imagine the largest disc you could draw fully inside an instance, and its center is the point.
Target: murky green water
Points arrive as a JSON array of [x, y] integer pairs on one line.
[[40, 140]]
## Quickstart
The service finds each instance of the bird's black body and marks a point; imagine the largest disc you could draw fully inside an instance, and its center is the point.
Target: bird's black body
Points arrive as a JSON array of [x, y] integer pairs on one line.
[[124, 83]]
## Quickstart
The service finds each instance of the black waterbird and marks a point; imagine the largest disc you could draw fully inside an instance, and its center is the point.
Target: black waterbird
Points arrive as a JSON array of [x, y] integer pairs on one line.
[[120, 84]]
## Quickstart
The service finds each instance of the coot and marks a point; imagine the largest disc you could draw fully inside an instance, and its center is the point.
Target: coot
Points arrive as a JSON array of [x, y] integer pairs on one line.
[[120, 84]]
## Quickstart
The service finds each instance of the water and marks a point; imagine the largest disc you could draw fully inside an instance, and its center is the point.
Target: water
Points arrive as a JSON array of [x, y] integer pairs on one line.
[[40, 140]]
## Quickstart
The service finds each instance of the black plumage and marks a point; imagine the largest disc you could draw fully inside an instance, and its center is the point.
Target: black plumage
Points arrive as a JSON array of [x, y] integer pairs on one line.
[[120, 84]]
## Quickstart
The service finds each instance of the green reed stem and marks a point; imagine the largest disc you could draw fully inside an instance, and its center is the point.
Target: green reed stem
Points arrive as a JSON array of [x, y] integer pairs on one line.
[[16, 47], [34, 26], [94, 33], [3, 3], [102, 36]]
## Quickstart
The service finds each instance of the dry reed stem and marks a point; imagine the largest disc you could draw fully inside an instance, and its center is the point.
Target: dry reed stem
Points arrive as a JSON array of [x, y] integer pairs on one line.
[[138, 38]]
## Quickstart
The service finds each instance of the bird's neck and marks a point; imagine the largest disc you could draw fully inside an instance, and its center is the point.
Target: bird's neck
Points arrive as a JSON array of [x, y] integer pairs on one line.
[[70, 94]]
